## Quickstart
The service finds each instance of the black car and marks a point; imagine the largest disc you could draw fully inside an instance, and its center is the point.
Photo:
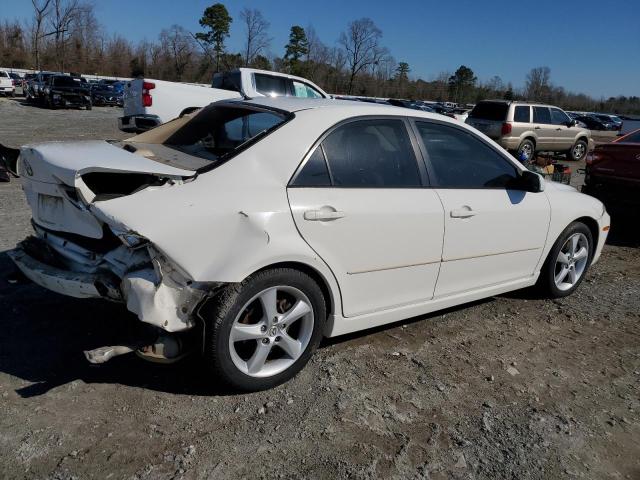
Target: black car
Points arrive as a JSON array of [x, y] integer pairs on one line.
[[66, 91], [592, 123], [108, 93]]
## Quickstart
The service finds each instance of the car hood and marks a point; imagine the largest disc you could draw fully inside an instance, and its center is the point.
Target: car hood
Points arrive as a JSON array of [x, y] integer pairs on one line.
[[65, 162]]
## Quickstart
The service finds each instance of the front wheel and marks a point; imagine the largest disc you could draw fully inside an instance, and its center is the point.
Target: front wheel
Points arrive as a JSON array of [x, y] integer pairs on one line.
[[262, 331], [568, 261], [579, 150]]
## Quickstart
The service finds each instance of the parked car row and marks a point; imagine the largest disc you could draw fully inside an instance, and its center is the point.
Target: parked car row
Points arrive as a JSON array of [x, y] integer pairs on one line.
[[598, 121], [58, 90]]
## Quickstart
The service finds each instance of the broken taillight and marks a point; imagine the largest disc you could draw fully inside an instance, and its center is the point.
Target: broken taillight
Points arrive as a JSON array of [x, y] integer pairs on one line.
[[147, 99]]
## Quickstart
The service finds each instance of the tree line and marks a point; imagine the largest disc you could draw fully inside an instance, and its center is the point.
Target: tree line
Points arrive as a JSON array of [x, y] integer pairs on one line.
[[65, 35]]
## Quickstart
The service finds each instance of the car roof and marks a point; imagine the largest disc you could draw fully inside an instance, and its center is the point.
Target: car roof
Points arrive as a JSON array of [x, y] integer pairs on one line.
[[295, 104]]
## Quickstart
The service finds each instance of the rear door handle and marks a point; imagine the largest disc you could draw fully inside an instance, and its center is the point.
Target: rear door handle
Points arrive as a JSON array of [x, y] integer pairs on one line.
[[464, 212], [537, 128], [323, 215]]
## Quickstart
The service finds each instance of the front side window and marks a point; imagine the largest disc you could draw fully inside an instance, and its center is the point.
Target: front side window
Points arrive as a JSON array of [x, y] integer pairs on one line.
[[303, 90], [541, 115], [522, 114], [366, 154], [558, 117], [460, 160], [271, 86]]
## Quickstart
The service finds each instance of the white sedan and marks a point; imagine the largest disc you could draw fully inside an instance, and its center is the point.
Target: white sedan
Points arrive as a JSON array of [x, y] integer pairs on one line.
[[250, 230]]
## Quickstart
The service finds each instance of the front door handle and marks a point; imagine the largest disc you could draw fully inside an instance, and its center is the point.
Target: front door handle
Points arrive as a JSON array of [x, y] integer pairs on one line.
[[464, 212], [324, 214], [537, 128]]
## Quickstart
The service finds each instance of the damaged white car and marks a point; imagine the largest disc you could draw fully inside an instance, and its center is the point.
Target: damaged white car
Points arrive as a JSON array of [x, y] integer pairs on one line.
[[251, 229]]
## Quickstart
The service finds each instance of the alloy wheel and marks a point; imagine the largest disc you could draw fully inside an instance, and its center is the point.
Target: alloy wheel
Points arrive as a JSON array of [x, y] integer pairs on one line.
[[579, 150], [271, 332], [571, 262]]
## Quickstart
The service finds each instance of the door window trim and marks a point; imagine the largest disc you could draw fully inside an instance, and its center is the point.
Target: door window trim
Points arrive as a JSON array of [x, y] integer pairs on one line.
[[427, 160], [417, 153]]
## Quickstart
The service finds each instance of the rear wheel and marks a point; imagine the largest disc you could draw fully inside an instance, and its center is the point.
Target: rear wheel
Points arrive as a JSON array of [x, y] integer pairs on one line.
[[263, 331], [579, 150], [526, 151], [568, 261]]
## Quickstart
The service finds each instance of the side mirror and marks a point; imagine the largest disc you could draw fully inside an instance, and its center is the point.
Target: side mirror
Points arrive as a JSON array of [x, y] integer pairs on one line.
[[529, 181], [571, 123]]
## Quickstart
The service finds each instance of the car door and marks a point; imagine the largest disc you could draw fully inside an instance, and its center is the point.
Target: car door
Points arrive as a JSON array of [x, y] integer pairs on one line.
[[564, 133], [493, 234], [543, 128], [359, 201]]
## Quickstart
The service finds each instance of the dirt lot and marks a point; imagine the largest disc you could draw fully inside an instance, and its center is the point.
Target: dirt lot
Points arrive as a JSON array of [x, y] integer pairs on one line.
[[511, 387]]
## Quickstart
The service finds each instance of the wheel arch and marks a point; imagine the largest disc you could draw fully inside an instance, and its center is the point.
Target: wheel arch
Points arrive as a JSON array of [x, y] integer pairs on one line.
[[593, 227], [318, 277]]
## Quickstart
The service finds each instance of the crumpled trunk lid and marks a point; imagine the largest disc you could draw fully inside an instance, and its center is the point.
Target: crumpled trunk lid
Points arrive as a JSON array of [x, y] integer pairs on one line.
[[52, 180]]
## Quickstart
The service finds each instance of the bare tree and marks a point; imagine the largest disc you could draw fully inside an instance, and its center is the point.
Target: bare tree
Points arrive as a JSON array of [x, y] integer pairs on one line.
[[179, 48], [361, 42], [64, 13], [257, 34], [40, 12], [538, 84]]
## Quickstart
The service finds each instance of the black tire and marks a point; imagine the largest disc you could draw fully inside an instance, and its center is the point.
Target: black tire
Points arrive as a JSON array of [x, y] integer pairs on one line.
[[528, 149], [89, 107], [578, 151], [546, 282], [228, 304]]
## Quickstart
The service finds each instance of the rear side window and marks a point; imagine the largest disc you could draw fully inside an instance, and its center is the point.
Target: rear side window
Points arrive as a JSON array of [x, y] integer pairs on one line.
[[459, 160], [541, 115], [490, 111], [366, 154], [522, 114], [271, 86], [315, 172]]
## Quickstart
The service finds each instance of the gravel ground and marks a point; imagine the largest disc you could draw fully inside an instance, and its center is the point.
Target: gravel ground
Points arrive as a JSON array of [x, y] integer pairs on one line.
[[511, 387]]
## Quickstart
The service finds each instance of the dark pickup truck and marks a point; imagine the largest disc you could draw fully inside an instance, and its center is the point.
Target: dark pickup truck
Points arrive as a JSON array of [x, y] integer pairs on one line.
[[66, 91]]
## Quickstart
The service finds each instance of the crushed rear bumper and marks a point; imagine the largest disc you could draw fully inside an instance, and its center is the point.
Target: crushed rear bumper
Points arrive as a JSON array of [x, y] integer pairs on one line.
[[65, 282]]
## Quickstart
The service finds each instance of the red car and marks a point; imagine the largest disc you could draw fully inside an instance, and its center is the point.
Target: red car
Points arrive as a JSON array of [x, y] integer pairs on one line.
[[613, 171]]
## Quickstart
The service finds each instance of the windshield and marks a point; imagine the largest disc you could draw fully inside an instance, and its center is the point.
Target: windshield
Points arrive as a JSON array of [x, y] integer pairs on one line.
[[211, 136], [66, 82]]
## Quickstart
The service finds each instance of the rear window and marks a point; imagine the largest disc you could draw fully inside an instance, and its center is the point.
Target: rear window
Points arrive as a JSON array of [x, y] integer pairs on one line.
[[218, 132], [490, 111], [4, 75], [227, 81]]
